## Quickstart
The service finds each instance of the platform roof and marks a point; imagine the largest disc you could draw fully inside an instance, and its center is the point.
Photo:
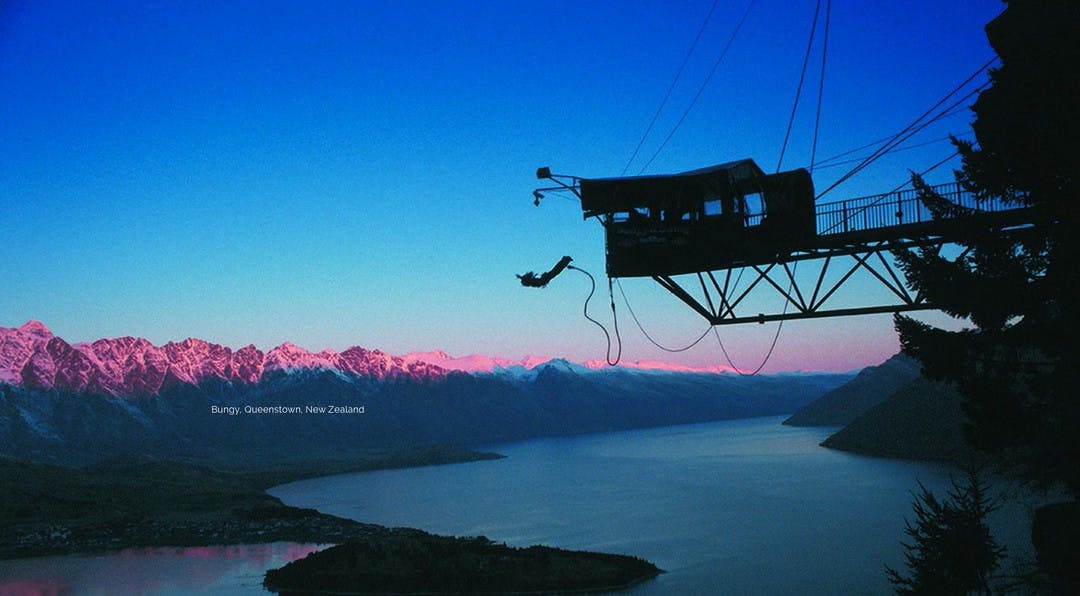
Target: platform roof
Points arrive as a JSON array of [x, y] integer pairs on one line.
[[674, 191]]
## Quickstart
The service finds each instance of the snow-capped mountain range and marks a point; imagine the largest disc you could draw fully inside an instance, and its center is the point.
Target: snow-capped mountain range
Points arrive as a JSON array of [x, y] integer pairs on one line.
[[476, 363], [32, 356], [75, 404]]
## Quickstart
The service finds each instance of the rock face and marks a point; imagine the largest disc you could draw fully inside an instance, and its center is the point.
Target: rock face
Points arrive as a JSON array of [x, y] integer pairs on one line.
[[32, 357]]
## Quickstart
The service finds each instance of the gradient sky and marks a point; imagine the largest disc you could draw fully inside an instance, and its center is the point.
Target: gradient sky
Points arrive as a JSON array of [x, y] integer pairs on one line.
[[340, 173]]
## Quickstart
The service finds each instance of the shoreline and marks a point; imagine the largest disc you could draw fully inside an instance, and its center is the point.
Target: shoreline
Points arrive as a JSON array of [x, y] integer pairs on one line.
[[138, 503], [48, 510], [314, 527], [288, 524]]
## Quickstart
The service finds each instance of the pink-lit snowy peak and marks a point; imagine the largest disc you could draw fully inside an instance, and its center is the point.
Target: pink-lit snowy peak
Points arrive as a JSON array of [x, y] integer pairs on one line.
[[31, 356]]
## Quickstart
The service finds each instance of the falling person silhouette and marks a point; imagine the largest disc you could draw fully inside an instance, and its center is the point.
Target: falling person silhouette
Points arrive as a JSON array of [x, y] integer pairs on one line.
[[532, 280]]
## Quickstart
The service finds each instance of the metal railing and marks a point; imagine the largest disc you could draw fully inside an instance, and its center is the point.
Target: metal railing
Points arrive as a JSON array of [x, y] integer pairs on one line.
[[897, 208], [875, 212]]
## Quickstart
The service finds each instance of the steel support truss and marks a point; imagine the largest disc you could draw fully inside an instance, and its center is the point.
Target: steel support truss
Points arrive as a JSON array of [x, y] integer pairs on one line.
[[721, 302], [857, 234]]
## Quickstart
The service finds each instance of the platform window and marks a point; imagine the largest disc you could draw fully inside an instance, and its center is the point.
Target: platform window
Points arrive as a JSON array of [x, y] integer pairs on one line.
[[712, 208], [755, 208], [639, 214]]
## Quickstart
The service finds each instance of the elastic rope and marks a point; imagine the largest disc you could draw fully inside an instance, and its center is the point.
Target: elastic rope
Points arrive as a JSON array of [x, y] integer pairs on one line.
[[764, 361], [775, 339], [585, 311], [634, 316]]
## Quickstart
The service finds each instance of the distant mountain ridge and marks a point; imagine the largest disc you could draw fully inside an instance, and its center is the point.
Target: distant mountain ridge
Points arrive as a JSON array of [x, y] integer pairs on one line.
[[478, 363], [473, 363], [195, 400], [922, 420], [870, 387], [32, 357], [891, 410], [321, 413]]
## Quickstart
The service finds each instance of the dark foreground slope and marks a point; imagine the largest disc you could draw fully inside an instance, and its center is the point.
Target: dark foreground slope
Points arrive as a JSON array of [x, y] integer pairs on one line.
[[923, 421], [891, 410], [143, 502], [852, 399]]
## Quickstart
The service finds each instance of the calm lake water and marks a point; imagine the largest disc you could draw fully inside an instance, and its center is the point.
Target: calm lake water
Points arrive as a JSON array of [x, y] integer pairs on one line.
[[739, 507], [735, 507]]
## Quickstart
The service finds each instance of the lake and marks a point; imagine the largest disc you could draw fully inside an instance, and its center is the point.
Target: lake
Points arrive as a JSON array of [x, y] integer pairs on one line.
[[744, 506]]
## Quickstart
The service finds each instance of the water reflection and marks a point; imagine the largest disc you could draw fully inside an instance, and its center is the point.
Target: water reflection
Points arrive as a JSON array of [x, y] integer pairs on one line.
[[236, 569]]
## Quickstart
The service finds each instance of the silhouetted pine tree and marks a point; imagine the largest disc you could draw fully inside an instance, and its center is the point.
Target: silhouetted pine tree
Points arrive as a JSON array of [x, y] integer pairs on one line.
[[1017, 369], [951, 549]]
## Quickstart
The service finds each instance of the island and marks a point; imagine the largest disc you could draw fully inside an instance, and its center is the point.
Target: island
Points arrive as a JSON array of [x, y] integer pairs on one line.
[[414, 562]]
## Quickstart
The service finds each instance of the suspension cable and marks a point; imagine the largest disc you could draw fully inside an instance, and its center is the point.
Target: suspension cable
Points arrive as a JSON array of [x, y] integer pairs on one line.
[[914, 127], [798, 92], [798, 88], [891, 146], [701, 89], [936, 165], [791, 121], [671, 88], [821, 83], [885, 195], [828, 161], [835, 164]]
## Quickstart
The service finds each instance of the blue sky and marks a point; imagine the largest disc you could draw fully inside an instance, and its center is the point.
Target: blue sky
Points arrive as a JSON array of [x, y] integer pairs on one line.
[[340, 173]]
